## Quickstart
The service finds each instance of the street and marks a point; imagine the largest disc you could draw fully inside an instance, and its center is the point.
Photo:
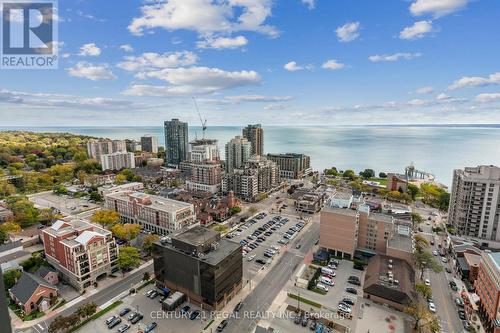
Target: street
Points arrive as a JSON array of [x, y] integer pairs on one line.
[[266, 291]]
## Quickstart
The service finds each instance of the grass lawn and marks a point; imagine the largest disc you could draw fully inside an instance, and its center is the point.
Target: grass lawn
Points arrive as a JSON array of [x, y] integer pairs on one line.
[[382, 181], [95, 316], [305, 300], [19, 313]]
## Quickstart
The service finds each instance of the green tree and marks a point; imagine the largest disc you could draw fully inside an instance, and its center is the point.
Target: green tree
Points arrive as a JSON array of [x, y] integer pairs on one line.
[[332, 171], [413, 191], [367, 173], [147, 243], [6, 189], [425, 260], [11, 277], [382, 175], [94, 195], [235, 210], [420, 243], [25, 213], [127, 231], [106, 218], [128, 258], [416, 218], [120, 179], [422, 318], [349, 174], [424, 290]]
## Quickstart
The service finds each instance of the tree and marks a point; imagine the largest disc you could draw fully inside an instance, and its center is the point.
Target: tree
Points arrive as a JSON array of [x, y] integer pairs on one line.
[[422, 318], [120, 179], [105, 218], [416, 218], [382, 175], [147, 243], [412, 191], [25, 213], [332, 171], [425, 260], [62, 173], [423, 290], [6, 189], [86, 310], [367, 173], [349, 174], [235, 210], [126, 231], [6, 228], [421, 242], [94, 195], [11, 277], [59, 189], [128, 257]]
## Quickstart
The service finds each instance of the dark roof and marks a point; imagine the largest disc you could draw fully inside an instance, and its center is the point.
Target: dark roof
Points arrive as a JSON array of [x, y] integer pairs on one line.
[[462, 263], [43, 271], [10, 246], [377, 281], [196, 236], [27, 285]]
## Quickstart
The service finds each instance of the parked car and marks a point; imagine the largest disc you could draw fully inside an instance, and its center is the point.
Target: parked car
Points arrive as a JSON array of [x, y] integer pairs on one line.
[[238, 307], [427, 282], [150, 327], [251, 257], [115, 322], [448, 270], [351, 290], [354, 282], [347, 301], [298, 319], [260, 261], [459, 302], [461, 314], [432, 307], [195, 314], [222, 325], [466, 324], [344, 308], [124, 311], [123, 328], [132, 315], [185, 310], [359, 267], [137, 318], [321, 286]]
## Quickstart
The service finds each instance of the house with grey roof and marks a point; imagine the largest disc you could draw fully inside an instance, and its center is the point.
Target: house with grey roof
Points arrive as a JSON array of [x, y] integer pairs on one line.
[[32, 293], [48, 274]]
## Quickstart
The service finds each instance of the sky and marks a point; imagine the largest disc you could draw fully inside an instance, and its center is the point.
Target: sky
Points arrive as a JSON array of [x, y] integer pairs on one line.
[[275, 62]]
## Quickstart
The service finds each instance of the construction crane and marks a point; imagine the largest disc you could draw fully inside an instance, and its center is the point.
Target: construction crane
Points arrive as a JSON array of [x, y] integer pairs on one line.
[[203, 122]]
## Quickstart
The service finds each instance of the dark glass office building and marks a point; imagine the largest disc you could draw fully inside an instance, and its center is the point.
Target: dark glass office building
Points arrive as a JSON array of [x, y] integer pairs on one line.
[[176, 142], [201, 265]]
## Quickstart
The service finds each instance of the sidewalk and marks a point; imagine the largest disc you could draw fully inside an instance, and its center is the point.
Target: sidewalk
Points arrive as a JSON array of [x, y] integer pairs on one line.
[[18, 323]]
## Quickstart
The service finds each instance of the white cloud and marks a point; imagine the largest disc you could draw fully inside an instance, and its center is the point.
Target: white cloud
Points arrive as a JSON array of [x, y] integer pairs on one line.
[[394, 57], [127, 48], [437, 8], [311, 4], [90, 50], [348, 32], [443, 97], [45, 100], [193, 80], [418, 102], [332, 64], [476, 81], [206, 16], [257, 98], [487, 98], [273, 106], [222, 42], [91, 71], [417, 30], [424, 90], [292, 66], [151, 60]]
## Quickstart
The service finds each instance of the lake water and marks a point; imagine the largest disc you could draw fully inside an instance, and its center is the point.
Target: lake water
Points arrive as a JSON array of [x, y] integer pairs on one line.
[[436, 149]]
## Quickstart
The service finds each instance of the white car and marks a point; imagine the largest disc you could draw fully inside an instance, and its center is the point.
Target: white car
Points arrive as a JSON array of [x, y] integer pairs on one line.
[[322, 287], [344, 308], [251, 257], [432, 307], [443, 259], [427, 282], [435, 253]]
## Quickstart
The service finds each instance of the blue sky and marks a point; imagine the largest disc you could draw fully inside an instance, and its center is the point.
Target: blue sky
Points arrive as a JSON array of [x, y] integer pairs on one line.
[[274, 62]]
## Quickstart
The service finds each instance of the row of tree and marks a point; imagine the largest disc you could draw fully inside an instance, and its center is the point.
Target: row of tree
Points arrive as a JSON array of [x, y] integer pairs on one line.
[[65, 323]]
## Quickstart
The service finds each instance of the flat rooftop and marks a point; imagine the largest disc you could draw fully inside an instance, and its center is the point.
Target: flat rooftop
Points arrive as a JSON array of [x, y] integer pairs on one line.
[[401, 242], [343, 211], [344, 195], [225, 248], [496, 258], [154, 201], [381, 217], [196, 236]]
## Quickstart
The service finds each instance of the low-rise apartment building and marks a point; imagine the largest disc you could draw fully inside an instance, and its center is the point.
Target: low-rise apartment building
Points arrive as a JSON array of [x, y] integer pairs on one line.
[[157, 214], [487, 287], [81, 251], [343, 232], [117, 161]]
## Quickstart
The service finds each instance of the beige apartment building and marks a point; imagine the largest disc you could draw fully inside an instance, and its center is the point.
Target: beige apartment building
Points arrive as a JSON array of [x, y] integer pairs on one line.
[[345, 231], [154, 213]]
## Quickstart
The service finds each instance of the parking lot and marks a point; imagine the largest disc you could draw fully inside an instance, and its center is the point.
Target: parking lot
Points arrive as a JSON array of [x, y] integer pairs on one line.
[[151, 310], [276, 239], [66, 204]]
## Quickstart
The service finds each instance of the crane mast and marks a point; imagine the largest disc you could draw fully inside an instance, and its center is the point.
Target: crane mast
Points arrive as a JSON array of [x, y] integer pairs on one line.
[[203, 122]]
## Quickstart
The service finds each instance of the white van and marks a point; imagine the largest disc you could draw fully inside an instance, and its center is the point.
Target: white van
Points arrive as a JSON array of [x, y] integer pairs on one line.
[[328, 271], [326, 281]]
